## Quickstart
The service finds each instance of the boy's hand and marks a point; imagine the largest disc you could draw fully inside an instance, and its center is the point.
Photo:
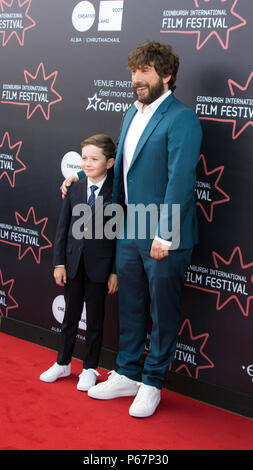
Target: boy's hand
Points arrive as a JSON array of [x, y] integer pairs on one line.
[[60, 276], [112, 284], [66, 184]]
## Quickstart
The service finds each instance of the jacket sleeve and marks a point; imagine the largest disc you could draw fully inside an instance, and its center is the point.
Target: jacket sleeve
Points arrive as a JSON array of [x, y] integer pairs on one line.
[[184, 140], [80, 174], [59, 253]]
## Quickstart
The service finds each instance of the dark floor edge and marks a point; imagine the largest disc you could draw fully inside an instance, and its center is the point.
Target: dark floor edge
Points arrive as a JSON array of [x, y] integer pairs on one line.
[[210, 394]]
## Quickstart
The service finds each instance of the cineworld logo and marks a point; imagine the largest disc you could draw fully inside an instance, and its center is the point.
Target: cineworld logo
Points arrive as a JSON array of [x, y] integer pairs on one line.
[[111, 96], [28, 234], [37, 93], [7, 301], [230, 279], [109, 15], [15, 20], [236, 109], [10, 163], [190, 356], [205, 18], [98, 104], [208, 191]]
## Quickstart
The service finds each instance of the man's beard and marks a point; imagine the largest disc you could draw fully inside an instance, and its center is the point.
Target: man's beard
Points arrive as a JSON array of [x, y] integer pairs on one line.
[[154, 91]]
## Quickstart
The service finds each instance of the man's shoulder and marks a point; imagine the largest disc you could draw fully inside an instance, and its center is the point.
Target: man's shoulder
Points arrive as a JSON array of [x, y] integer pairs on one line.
[[182, 110]]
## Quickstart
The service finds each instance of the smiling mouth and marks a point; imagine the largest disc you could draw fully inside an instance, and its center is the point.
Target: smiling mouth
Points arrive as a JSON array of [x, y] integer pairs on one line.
[[141, 89]]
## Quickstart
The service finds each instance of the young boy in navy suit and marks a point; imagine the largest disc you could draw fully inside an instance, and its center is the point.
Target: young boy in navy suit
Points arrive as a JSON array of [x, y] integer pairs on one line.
[[84, 264]]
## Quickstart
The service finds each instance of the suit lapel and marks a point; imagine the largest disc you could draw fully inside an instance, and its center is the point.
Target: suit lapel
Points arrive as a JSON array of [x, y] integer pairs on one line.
[[154, 121], [106, 189], [82, 191]]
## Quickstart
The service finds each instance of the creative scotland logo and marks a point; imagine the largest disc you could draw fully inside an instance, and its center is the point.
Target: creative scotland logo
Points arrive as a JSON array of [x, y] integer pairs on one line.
[[207, 19], [99, 17], [58, 310]]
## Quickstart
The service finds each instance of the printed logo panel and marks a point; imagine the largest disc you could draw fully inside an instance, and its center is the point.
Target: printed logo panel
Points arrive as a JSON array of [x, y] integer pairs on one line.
[[10, 163], [190, 356], [235, 109], [230, 279], [207, 19], [28, 235], [7, 301], [15, 20], [38, 92], [97, 17]]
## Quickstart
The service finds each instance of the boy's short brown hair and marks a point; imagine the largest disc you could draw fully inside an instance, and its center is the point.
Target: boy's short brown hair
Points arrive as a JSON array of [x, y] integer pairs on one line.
[[160, 55], [103, 142]]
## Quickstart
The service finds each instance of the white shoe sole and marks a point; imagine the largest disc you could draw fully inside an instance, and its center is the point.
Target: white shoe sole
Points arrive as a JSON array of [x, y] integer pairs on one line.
[[144, 414], [83, 388], [51, 380], [110, 396]]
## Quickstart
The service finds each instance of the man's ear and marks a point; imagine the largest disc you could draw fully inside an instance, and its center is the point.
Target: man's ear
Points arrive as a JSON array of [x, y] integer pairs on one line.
[[166, 79]]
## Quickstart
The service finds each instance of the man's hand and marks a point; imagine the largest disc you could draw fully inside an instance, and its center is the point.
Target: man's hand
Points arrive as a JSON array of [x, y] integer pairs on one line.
[[66, 184], [158, 250], [60, 276], [112, 284]]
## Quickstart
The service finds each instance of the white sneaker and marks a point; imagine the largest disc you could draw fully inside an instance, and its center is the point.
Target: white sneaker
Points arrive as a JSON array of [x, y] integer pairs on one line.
[[87, 379], [56, 372], [115, 386], [145, 402]]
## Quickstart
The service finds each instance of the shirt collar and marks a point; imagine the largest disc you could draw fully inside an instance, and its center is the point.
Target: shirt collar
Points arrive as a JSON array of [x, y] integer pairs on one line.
[[99, 184], [153, 106]]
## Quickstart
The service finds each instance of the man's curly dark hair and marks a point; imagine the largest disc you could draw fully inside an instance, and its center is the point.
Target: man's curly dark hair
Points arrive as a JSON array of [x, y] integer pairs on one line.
[[160, 56]]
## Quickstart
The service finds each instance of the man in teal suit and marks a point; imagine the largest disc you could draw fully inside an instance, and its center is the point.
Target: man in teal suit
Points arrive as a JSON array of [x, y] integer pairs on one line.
[[156, 161]]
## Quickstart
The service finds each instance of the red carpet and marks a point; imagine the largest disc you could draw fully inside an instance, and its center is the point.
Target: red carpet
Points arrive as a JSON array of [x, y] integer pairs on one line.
[[41, 416]]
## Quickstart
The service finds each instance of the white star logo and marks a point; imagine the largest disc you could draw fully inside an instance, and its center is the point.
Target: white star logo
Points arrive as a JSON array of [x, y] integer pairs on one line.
[[93, 102]]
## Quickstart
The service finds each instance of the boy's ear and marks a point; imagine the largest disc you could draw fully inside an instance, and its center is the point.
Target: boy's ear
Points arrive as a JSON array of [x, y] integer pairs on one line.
[[110, 163]]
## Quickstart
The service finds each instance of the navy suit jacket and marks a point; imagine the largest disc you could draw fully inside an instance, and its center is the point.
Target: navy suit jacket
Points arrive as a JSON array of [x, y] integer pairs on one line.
[[98, 253]]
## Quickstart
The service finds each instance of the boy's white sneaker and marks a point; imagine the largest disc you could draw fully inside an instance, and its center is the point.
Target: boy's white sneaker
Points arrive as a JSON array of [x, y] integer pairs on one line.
[[87, 379], [145, 402], [115, 386], [56, 372]]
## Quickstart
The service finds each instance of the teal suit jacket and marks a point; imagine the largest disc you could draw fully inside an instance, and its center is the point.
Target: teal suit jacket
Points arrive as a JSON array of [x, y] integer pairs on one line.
[[163, 168]]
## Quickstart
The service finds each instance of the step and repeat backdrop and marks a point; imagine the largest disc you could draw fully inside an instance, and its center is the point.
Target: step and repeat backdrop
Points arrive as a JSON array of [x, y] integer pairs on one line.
[[63, 77]]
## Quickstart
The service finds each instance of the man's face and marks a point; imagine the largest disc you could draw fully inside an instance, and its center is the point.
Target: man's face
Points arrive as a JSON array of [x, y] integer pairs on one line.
[[147, 85]]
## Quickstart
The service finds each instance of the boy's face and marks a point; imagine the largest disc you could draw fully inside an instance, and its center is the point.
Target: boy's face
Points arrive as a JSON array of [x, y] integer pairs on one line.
[[94, 163]]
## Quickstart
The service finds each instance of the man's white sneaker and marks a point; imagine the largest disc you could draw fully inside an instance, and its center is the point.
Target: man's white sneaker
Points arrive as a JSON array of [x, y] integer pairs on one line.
[[145, 402], [55, 372], [87, 379], [115, 386]]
